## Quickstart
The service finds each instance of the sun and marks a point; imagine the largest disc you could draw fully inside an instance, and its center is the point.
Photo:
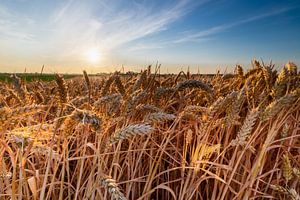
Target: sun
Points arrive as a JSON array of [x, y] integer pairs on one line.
[[93, 56]]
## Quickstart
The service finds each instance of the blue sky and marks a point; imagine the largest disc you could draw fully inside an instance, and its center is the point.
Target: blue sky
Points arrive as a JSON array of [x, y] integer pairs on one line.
[[102, 35]]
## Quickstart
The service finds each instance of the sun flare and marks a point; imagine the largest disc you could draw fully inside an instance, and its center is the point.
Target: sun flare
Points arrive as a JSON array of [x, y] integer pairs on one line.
[[93, 56]]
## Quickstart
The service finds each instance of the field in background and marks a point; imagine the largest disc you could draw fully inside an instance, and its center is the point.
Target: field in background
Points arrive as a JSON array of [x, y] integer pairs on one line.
[[151, 136], [29, 77]]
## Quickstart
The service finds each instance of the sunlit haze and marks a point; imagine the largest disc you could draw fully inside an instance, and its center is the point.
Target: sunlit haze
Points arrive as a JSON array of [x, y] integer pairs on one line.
[[104, 35], [93, 56]]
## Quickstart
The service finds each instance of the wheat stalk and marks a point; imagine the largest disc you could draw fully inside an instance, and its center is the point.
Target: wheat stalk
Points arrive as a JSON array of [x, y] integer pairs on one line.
[[293, 194]]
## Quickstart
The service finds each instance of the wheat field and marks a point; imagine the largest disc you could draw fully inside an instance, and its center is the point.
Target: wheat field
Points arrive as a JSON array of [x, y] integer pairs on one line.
[[153, 136]]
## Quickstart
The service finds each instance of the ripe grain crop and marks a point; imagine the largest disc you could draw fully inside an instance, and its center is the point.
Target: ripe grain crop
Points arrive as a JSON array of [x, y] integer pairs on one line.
[[152, 136]]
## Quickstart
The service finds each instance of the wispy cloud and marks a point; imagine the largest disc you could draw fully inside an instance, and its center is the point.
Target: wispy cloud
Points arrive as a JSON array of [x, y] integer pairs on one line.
[[56, 31], [201, 35], [74, 26], [109, 24], [10, 24], [149, 46]]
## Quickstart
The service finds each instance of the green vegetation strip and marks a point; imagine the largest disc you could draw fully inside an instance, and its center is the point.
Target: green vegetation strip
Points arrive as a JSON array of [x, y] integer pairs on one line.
[[28, 77]]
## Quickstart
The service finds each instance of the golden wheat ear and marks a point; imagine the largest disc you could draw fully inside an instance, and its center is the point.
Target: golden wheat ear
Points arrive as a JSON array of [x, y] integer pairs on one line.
[[88, 84], [287, 170], [160, 117], [131, 131], [291, 67], [144, 108], [87, 80], [112, 188], [119, 85], [246, 128], [280, 86], [17, 85], [62, 89], [7, 113], [108, 99], [239, 71], [106, 86], [194, 84], [140, 82], [277, 105]]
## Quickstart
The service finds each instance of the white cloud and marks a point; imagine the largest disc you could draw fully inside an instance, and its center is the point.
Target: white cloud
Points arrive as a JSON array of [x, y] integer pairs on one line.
[[201, 35], [107, 25], [10, 23], [204, 35], [69, 28]]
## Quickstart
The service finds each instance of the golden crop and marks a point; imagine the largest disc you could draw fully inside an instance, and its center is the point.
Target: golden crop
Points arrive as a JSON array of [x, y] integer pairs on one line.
[[152, 136]]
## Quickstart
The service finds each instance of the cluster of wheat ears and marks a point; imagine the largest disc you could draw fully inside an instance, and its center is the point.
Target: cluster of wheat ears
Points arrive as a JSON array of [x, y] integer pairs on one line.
[[153, 136]]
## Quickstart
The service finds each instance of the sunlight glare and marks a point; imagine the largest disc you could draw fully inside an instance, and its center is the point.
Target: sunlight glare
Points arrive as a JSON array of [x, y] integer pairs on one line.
[[93, 56]]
